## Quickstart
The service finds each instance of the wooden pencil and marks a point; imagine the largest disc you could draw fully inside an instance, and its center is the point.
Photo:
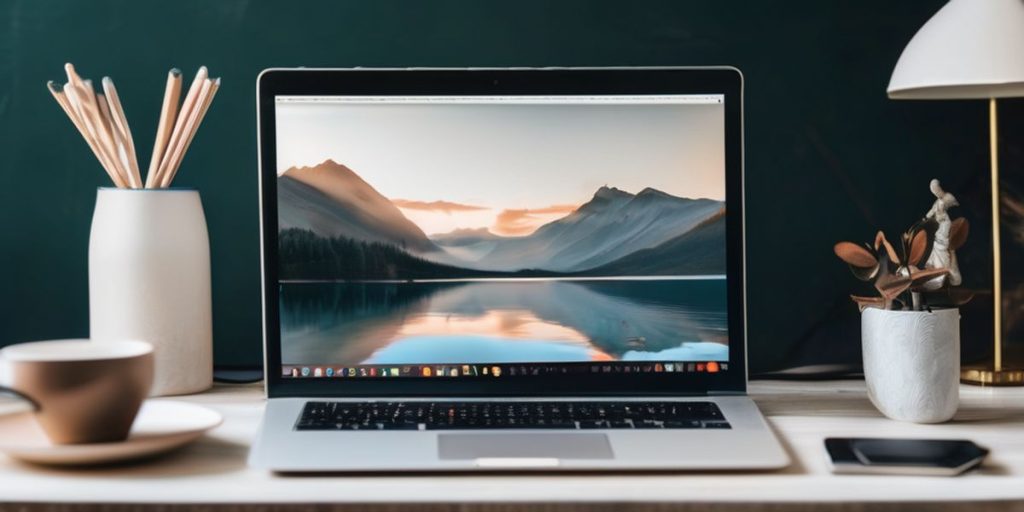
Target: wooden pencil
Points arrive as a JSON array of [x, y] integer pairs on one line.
[[118, 144], [168, 114], [121, 123]]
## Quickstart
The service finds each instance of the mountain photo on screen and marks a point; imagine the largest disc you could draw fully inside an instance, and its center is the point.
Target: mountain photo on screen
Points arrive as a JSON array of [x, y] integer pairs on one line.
[[423, 233]]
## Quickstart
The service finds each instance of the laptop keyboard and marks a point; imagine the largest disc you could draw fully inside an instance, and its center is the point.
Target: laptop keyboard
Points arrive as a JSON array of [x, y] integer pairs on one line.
[[448, 415]]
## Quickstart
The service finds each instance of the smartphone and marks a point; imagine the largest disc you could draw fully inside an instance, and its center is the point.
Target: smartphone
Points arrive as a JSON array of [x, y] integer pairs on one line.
[[930, 457]]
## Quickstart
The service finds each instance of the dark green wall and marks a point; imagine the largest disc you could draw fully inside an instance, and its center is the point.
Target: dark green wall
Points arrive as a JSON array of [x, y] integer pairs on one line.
[[828, 156]]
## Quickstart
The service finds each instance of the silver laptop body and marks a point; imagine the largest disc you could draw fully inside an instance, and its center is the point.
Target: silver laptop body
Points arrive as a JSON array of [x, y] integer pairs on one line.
[[505, 269]]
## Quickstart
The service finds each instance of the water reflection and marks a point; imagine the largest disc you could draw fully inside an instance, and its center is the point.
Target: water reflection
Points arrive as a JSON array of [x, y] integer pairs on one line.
[[503, 321]]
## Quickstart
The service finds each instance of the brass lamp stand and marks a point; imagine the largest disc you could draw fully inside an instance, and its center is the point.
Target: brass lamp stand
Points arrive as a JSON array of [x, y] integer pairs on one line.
[[997, 374]]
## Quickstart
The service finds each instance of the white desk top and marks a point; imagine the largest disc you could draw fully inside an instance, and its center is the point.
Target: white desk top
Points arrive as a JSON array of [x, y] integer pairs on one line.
[[213, 470]]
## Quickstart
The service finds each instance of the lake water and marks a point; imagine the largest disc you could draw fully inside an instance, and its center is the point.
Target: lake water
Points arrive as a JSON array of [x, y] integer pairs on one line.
[[503, 321]]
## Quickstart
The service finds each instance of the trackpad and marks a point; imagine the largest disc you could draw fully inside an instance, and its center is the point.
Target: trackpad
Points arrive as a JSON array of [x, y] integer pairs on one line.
[[540, 445]]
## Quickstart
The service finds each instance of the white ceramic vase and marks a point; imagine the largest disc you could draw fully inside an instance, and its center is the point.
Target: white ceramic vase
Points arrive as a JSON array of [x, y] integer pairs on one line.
[[149, 279], [912, 363]]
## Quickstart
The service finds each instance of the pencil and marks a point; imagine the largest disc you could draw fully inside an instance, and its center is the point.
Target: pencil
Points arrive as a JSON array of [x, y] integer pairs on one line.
[[121, 123], [168, 113]]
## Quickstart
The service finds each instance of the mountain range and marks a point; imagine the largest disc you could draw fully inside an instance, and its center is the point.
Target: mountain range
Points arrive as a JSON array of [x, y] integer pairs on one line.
[[611, 225], [614, 233]]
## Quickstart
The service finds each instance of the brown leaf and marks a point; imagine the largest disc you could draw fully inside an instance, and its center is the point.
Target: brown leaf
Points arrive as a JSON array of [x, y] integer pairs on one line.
[[892, 287], [855, 255], [918, 246], [889, 249], [958, 233], [868, 302]]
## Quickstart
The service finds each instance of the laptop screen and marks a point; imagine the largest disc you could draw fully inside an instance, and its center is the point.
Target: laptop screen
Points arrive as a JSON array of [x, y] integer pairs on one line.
[[501, 236]]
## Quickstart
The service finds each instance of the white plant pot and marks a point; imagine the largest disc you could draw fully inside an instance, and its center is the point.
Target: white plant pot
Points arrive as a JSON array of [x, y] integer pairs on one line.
[[912, 363], [149, 279]]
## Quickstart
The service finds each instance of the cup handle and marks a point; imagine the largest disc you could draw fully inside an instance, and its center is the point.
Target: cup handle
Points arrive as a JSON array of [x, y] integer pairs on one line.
[[4, 390]]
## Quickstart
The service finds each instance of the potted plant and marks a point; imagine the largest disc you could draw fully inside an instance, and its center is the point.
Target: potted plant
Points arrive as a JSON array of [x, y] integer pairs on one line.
[[911, 330]]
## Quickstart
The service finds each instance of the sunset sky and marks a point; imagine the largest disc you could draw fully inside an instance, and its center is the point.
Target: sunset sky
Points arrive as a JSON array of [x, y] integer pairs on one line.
[[509, 168]]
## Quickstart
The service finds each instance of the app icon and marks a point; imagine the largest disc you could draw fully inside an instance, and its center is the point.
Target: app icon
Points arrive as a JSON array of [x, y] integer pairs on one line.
[[669, 367], [351, 372], [362, 372], [295, 372], [394, 372], [725, 366], [329, 372], [454, 372], [496, 371], [690, 367], [305, 371], [465, 369], [713, 367], [700, 367], [439, 371], [426, 371], [406, 370], [658, 368], [373, 372], [485, 370]]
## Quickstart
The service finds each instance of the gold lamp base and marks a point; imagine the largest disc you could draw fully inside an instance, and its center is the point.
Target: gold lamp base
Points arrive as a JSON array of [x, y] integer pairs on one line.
[[987, 376]]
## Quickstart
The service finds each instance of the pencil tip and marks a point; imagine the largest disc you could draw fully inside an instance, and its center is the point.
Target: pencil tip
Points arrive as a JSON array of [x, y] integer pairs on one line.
[[107, 80], [175, 71], [69, 67]]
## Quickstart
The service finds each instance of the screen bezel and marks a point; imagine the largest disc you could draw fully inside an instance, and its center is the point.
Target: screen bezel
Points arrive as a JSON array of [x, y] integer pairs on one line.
[[512, 82]]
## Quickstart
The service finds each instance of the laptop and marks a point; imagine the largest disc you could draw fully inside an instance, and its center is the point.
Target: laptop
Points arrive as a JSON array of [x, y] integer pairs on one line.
[[505, 269]]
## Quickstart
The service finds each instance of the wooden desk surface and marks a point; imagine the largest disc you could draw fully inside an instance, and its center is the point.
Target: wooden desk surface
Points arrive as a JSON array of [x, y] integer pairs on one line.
[[213, 471]]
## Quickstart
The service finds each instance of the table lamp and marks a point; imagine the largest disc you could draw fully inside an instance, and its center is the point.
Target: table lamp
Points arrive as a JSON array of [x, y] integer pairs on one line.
[[971, 49]]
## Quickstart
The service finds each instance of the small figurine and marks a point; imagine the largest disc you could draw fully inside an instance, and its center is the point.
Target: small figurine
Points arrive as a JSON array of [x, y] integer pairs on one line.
[[942, 255]]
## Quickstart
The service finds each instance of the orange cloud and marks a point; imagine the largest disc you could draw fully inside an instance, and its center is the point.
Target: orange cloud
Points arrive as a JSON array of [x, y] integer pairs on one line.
[[521, 222], [436, 206]]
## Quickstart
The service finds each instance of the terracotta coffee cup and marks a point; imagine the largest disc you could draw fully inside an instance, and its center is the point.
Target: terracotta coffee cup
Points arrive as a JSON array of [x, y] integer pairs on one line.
[[82, 391]]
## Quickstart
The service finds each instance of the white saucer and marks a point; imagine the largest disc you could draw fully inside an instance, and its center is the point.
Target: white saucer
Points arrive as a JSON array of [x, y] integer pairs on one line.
[[160, 426]]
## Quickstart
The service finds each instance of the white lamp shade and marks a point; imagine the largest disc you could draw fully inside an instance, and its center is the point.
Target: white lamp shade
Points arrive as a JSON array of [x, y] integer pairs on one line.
[[969, 49]]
